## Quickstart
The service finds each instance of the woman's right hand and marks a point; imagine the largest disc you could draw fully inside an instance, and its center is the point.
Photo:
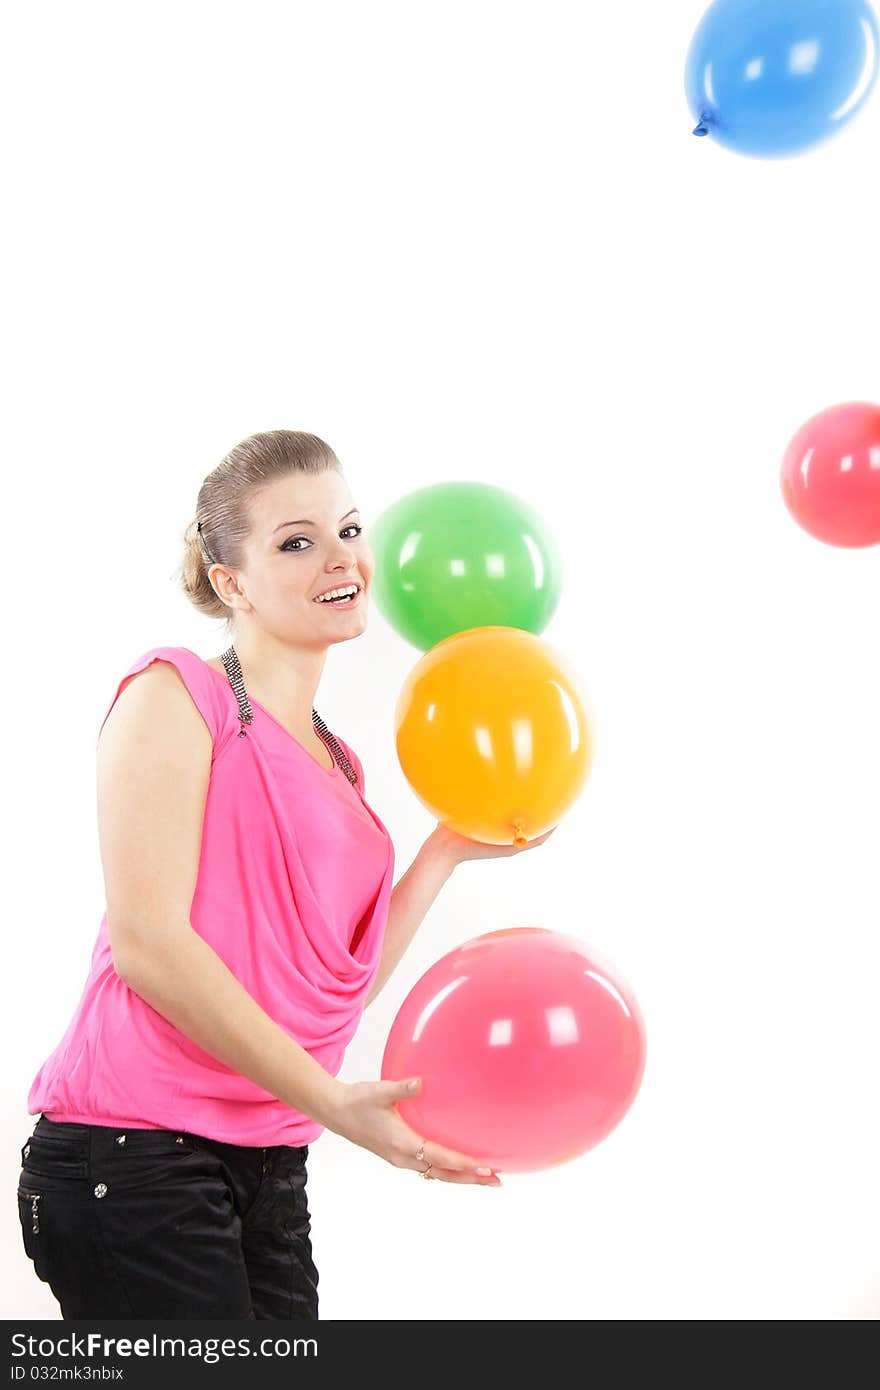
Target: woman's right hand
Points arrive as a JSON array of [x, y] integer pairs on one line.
[[367, 1115]]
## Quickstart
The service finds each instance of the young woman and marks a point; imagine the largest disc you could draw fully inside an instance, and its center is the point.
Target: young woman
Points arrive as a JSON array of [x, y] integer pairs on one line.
[[250, 918]]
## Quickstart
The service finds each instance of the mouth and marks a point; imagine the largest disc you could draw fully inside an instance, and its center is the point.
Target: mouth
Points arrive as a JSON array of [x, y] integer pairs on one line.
[[347, 600]]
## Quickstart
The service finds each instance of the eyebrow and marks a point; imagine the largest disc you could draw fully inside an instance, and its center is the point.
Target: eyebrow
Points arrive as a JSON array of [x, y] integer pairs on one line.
[[304, 521]]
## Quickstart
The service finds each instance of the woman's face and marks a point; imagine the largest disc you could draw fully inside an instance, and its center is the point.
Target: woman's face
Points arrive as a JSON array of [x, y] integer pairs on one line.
[[306, 538]]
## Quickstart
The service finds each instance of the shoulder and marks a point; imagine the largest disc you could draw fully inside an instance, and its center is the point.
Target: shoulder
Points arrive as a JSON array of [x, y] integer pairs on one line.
[[203, 685]]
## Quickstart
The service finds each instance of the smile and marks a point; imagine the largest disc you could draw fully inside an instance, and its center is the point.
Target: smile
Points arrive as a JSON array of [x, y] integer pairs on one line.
[[343, 597]]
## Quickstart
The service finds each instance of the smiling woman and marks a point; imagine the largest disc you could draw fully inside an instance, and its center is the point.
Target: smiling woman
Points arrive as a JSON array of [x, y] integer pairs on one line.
[[248, 924], [233, 962]]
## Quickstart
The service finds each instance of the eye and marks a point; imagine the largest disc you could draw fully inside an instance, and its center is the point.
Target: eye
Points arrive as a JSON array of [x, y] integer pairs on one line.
[[288, 544]]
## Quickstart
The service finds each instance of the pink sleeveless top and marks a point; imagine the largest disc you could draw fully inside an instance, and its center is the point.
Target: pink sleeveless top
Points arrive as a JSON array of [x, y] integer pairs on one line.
[[293, 891]]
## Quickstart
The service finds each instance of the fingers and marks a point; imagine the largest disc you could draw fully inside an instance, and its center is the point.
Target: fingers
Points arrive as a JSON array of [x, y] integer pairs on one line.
[[399, 1090], [450, 1159], [456, 1167], [449, 1175], [447, 1165]]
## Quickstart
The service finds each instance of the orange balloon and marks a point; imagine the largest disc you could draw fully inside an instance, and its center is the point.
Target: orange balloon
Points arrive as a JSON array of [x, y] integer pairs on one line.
[[494, 735]]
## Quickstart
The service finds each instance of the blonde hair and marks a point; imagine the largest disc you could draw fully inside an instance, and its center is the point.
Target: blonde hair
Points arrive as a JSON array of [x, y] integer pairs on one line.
[[223, 503]]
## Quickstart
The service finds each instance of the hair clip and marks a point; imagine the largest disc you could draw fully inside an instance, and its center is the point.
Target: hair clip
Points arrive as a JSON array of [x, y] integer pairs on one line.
[[204, 543]]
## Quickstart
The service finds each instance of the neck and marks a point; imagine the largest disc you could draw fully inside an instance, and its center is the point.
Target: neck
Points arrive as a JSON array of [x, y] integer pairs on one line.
[[282, 677]]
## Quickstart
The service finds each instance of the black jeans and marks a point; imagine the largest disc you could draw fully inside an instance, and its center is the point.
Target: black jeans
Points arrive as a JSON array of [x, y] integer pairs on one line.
[[157, 1223]]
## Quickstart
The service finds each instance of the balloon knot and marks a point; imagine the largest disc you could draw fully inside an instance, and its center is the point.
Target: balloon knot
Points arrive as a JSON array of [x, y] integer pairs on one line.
[[518, 836], [703, 127]]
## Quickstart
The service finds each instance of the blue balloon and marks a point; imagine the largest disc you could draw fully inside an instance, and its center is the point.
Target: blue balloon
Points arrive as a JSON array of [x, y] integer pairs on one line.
[[775, 77]]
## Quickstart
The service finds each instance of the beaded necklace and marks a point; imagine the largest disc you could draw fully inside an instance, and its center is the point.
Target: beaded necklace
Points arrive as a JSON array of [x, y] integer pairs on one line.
[[245, 713]]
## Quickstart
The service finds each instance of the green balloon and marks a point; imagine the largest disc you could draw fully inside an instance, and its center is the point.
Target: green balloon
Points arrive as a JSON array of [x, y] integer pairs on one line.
[[459, 555]]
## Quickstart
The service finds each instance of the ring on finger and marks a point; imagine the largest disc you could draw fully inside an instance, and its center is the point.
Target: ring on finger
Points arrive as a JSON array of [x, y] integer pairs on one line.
[[420, 1157]]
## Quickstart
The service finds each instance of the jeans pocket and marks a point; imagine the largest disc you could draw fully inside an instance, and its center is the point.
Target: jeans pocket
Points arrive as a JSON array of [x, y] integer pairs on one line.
[[141, 1158], [55, 1157], [154, 1143]]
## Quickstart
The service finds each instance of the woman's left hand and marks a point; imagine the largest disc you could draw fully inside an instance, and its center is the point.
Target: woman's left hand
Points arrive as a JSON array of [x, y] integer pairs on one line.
[[460, 848]]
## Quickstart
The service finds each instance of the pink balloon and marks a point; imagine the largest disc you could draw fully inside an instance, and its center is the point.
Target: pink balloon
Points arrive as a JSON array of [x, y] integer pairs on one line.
[[831, 475], [530, 1049]]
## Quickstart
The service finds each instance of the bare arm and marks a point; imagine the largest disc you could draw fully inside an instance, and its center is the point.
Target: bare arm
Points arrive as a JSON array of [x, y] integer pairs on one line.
[[415, 892], [184, 979], [411, 897]]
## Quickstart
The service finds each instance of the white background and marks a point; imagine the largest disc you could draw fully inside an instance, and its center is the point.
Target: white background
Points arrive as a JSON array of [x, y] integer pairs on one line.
[[478, 241]]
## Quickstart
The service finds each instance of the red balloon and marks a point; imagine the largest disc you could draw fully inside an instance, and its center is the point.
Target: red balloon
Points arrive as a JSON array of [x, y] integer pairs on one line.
[[530, 1049], [831, 475]]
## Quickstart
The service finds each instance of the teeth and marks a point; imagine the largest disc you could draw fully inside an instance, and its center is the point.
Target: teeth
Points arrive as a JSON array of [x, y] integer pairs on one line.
[[349, 589]]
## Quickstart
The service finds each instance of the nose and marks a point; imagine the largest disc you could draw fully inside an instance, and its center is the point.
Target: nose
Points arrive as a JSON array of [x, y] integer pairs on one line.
[[343, 556]]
